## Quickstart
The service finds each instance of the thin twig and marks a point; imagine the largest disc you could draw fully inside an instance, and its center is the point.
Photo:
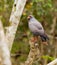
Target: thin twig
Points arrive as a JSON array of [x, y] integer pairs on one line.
[[53, 62]]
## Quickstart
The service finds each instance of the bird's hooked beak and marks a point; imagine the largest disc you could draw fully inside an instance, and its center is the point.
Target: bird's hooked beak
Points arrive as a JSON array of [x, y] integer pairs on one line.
[[29, 17]]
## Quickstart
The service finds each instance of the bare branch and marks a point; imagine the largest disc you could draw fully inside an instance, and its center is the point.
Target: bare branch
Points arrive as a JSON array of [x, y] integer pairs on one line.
[[53, 62], [53, 25], [14, 20], [52, 30], [33, 54]]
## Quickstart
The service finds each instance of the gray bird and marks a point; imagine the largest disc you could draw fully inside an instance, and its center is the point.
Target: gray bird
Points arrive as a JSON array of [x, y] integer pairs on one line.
[[36, 28]]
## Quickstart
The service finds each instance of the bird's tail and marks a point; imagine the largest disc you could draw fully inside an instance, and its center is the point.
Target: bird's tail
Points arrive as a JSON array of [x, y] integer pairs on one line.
[[44, 38]]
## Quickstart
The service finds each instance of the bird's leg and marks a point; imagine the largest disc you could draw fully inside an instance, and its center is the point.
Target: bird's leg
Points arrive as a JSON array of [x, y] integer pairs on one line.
[[37, 37], [34, 39]]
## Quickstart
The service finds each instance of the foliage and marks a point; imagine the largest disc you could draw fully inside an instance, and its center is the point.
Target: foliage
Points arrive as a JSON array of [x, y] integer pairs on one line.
[[49, 58], [43, 10]]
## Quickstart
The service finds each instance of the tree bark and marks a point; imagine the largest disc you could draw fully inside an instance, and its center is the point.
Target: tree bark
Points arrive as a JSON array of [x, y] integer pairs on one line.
[[4, 51], [54, 62], [14, 21], [33, 54]]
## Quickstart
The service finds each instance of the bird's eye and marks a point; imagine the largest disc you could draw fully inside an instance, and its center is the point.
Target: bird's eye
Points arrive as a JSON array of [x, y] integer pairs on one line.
[[30, 16]]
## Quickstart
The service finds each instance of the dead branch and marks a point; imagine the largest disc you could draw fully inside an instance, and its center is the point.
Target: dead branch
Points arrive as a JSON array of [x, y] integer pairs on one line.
[[53, 62], [52, 30], [33, 54]]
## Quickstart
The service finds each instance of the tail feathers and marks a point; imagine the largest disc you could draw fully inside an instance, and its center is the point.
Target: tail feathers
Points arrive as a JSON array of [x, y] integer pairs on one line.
[[44, 38]]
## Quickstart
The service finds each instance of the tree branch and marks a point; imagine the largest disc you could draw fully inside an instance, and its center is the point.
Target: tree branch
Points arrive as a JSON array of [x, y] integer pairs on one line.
[[52, 30], [53, 62], [14, 21], [33, 54]]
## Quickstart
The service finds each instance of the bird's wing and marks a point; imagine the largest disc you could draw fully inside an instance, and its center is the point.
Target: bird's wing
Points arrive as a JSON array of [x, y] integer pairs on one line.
[[35, 29], [37, 24]]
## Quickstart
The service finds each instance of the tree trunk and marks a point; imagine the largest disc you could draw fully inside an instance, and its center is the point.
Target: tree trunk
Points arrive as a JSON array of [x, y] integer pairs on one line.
[[14, 21], [4, 50]]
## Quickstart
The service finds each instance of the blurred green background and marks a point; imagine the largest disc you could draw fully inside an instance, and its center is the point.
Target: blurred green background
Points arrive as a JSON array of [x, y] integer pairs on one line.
[[45, 11]]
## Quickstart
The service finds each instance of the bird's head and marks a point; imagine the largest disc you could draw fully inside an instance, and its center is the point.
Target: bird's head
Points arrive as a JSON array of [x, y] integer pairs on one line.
[[29, 17]]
